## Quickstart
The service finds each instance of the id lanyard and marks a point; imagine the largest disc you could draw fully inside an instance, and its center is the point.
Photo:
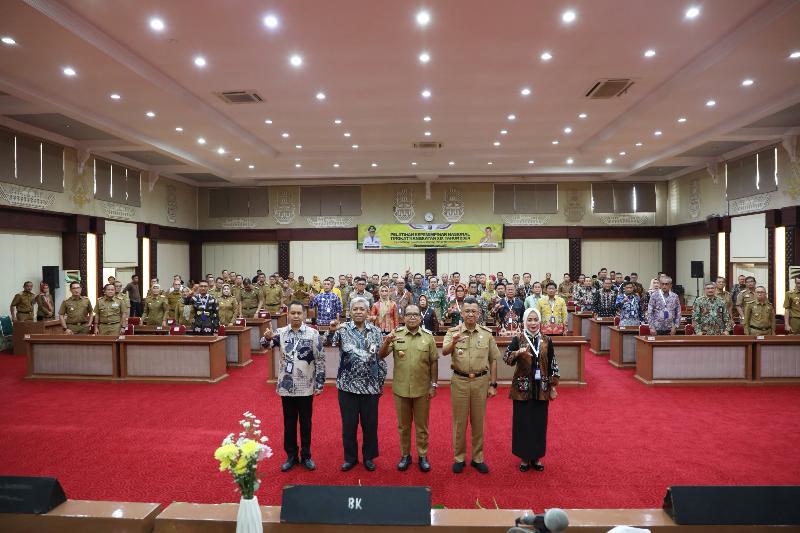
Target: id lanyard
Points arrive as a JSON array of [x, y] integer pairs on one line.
[[290, 353], [535, 349], [666, 311]]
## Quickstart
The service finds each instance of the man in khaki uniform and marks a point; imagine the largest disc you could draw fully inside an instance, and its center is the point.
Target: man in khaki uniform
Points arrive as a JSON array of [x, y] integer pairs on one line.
[[759, 316], [236, 288], [791, 305], [416, 376], [216, 290], [270, 297], [248, 299], [746, 296], [474, 379], [76, 311], [111, 316], [726, 297], [155, 308], [565, 288], [45, 307], [301, 290], [122, 296], [174, 297], [22, 304]]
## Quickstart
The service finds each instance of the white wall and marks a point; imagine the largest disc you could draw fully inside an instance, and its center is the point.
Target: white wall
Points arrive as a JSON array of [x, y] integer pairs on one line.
[[120, 245], [244, 258], [25, 255], [749, 239], [537, 256], [760, 271], [173, 258], [686, 251], [642, 256], [331, 258]]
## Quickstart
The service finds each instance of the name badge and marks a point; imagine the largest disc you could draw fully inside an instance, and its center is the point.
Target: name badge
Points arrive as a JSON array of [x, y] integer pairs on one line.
[[115, 305], [552, 319], [373, 349], [538, 375], [289, 367], [666, 314], [651, 338]]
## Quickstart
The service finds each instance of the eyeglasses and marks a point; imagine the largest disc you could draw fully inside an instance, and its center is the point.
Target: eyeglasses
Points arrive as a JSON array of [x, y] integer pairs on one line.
[[413, 314]]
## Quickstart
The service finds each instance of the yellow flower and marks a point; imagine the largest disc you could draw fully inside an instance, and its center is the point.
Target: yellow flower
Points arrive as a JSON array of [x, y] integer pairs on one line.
[[227, 451], [224, 465], [241, 466], [249, 448]]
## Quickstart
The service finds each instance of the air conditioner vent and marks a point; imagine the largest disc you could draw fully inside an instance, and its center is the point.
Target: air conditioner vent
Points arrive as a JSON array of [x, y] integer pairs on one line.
[[609, 88], [240, 97], [428, 145]]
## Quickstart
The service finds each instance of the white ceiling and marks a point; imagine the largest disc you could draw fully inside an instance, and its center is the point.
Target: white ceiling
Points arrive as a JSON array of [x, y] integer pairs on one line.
[[364, 56]]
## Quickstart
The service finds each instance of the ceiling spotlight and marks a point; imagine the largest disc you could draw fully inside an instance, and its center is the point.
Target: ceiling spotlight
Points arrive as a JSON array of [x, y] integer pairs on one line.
[[8, 40], [69, 71], [747, 83], [413, 163], [427, 134], [297, 165], [320, 96], [423, 18], [426, 118], [496, 143], [298, 146], [114, 96], [374, 165], [793, 55], [490, 163], [251, 167], [546, 56], [200, 61], [347, 134], [568, 17], [268, 121], [426, 93], [503, 132], [336, 165], [567, 130], [156, 24], [271, 21], [221, 150], [692, 12], [150, 114], [531, 161], [570, 161], [582, 115], [711, 103], [179, 129], [649, 53], [285, 135], [296, 60], [623, 153], [237, 159], [555, 141], [525, 91], [657, 133], [424, 57], [201, 140], [609, 161], [638, 144], [512, 117], [355, 147], [451, 163], [682, 120], [337, 121]]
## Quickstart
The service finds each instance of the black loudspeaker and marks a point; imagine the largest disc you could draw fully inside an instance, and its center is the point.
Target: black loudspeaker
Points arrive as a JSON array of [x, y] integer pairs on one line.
[[387, 506], [30, 495], [50, 276], [750, 505], [697, 269]]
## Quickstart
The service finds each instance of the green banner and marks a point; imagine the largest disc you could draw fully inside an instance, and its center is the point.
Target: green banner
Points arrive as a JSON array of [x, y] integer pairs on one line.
[[398, 236]]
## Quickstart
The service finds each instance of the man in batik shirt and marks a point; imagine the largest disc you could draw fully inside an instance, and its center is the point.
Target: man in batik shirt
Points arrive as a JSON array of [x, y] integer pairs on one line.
[[710, 314], [628, 306], [605, 300]]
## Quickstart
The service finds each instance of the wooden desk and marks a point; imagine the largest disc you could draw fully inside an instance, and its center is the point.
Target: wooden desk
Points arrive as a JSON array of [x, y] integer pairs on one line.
[[79, 516], [623, 346], [45, 327], [777, 359], [237, 345], [258, 327], [282, 319], [600, 336], [172, 358], [74, 357], [685, 360], [580, 323], [150, 330]]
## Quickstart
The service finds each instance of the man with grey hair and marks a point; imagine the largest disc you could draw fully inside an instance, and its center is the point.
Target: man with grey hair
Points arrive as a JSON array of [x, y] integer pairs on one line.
[[709, 313], [664, 309], [360, 382]]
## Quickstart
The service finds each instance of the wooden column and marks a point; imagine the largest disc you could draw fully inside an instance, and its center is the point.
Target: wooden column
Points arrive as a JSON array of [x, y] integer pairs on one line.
[[153, 234], [73, 246], [669, 259], [195, 260], [284, 258], [99, 228], [790, 218], [430, 260], [772, 220], [714, 225], [575, 236]]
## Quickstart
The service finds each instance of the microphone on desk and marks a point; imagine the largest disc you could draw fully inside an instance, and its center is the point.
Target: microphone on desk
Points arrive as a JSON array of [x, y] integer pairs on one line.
[[553, 521]]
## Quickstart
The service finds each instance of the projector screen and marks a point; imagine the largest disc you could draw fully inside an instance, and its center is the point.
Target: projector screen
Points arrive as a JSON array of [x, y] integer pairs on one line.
[[749, 239]]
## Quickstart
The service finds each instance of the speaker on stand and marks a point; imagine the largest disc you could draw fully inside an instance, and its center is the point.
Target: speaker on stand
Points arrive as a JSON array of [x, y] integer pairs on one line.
[[697, 274]]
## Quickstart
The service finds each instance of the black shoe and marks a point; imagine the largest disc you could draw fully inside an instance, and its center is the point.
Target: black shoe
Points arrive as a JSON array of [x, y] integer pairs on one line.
[[404, 463], [524, 467], [369, 465], [458, 467], [308, 462], [289, 464], [347, 465], [424, 465], [480, 467], [538, 466]]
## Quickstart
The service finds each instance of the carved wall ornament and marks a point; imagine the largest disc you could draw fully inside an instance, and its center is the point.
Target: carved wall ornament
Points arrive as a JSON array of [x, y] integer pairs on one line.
[[172, 204], [453, 205], [758, 202], [526, 220], [694, 198], [286, 206], [792, 187], [628, 220], [713, 170], [330, 222], [26, 196], [575, 209], [238, 223], [118, 211], [404, 205]]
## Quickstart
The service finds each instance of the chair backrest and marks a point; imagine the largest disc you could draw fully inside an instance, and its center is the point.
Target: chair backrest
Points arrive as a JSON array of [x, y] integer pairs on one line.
[[134, 320], [689, 330], [240, 322], [577, 308], [738, 329], [616, 321], [221, 331], [129, 329], [780, 329], [644, 330], [177, 330]]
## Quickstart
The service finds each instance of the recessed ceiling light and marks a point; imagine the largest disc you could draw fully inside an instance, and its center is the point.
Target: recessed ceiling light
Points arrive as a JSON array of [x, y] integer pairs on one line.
[[531, 161], [320, 96], [555, 141], [568, 16], [546, 56], [296, 60], [237, 159], [525, 91], [298, 146], [512, 117], [426, 93], [69, 71], [374, 164], [503, 132], [413, 163], [570, 161], [711, 103], [427, 134], [251, 167], [271, 21], [623, 153], [150, 114], [582, 115], [747, 83], [336, 165], [423, 18], [221, 150], [337, 121], [567, 130], [355, 147], [657, 133], [297, 165], [496, 143], [285, 135], [114, 96], [692, 12], [638, 144], [200, 61], [201, 140], [649, 53], [8, 40], [490, 163], [179, 129], [451, 163], [609, 160], [424, 57], [156, 24], [268, 121], [426, 118], [793, 55], [682, 120], [347, 134]]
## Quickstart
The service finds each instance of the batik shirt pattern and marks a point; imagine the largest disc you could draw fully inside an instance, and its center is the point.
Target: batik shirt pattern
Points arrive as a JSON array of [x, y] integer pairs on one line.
[[361, 371]]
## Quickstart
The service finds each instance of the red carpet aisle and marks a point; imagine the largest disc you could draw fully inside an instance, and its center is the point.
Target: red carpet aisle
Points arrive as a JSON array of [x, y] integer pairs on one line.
[[615, 444]]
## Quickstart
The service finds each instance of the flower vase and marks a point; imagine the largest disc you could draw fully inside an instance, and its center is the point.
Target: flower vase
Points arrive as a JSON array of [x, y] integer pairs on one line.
[[248, 519]]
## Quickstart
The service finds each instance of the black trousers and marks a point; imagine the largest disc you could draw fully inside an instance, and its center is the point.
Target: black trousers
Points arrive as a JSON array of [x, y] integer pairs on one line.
[[295, 407], [355, 408], [136, 308]]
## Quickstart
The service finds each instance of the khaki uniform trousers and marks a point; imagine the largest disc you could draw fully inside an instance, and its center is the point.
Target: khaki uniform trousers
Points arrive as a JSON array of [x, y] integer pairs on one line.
[[24, 317], [416, 410], [108, 329], [795, 324], [79, 329], [468, 397]]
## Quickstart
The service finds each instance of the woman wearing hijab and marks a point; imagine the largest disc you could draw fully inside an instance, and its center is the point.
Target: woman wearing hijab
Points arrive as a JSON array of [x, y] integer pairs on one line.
[[429, 320], [184, 314], [384, 312], [535, 378], [316, 284], [228, 306]]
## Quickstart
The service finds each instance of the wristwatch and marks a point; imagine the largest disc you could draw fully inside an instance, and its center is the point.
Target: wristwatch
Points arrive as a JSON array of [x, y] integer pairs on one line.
[[434, 385], [493, 384]]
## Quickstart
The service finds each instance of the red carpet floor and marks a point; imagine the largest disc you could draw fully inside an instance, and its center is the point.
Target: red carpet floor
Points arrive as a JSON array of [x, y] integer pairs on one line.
[[613, 444]]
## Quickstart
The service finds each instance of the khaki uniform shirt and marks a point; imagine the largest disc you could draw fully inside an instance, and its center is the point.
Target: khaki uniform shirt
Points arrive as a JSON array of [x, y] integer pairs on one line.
[[109, 310], [23, 301], [215, 292], [249, 301], [155, 310], [236, 290], [42, 312], [745, 298], [475, 352], [271, 295], [173, 298], [414, 354], [758, 319], [792, 303], [301, 291], [228, 309], [565, 290], [76, 309], [126, 303]]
